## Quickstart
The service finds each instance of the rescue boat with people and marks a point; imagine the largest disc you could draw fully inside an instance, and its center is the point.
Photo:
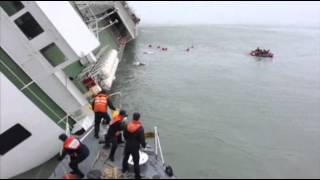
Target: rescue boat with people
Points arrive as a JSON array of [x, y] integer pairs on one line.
[[261, 54]]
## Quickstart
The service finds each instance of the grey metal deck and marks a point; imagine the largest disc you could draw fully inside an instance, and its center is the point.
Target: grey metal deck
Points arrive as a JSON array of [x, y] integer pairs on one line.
[[98, 160]]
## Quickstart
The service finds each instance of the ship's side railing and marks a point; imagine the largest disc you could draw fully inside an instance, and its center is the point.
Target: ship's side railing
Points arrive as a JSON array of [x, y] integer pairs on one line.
[[157, 143], [92, 20], [158, 151], [67, 129], [115, 94]]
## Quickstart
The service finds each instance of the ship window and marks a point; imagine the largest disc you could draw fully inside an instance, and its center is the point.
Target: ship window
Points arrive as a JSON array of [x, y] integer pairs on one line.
[[29, 26], [11, 7], [53, 54], [12, 138]]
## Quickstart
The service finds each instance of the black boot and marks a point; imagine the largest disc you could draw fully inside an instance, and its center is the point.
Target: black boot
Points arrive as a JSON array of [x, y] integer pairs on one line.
[[106, 146], [137, 176], [111, 158], [124, 170]]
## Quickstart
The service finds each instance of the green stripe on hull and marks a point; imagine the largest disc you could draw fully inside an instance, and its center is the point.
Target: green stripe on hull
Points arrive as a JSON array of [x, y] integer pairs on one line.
[[20, 79]]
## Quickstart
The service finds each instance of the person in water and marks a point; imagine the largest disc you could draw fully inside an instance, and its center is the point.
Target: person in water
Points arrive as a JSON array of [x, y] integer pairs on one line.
[[139, 64]]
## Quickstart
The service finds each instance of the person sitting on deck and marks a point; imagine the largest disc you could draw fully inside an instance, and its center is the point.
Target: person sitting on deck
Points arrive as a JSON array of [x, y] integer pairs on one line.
[[77, 151]]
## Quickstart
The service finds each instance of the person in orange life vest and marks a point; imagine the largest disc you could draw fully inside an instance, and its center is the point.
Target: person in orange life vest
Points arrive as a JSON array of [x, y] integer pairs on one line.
[[100, 106], [114, 135], [77, 151], [134, 136]]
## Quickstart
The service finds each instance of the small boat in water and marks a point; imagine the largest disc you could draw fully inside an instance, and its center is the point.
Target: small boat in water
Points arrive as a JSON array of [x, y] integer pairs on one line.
[[261, 53]]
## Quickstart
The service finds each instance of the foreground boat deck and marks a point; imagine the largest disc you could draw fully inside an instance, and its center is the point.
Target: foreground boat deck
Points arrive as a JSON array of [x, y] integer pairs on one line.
[[98, 160]]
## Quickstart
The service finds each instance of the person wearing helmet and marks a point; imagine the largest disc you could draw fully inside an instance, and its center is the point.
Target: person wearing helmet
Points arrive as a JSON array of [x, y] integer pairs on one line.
[[114, 133]]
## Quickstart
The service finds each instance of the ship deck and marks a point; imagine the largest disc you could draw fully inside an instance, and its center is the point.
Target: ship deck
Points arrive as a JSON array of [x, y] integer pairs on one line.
[[98, 160]]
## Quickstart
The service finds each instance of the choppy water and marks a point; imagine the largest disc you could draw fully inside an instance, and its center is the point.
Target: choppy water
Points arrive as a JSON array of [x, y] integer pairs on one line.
[[222, 113]]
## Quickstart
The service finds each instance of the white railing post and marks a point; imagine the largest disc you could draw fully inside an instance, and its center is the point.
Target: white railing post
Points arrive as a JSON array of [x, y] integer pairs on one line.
[[155, 141], [158, 145]]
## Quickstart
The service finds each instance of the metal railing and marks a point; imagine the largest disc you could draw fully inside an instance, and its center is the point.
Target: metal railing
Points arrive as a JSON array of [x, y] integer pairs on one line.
[[158, 148], [86, 10]]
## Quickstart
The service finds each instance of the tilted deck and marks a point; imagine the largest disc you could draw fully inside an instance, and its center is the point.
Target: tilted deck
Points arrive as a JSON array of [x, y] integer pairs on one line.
[[98, 160]]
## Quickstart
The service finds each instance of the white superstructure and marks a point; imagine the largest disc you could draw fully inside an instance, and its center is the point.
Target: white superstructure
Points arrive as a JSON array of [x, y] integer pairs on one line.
[[47, 51], [16, 108]]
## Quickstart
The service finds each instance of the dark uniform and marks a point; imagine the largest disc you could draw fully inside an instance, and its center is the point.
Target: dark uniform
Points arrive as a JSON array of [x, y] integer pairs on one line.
[[114, 133], [77, 151], [100, 106], [134, 136]]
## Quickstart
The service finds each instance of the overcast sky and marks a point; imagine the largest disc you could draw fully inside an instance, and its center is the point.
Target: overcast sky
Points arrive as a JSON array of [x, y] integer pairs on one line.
[[204, 12]]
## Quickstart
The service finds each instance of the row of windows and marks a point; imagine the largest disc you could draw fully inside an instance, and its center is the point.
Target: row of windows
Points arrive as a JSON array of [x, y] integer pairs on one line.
[[31, 29], [11, 7]]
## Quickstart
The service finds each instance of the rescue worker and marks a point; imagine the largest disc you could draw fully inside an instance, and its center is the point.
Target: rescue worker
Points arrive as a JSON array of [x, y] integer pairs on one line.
[[100, 106], [134, 136], [114, 135], [77, 151]]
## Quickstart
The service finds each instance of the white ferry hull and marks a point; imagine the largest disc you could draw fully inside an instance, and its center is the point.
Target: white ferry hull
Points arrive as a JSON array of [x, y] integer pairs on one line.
[[16, 108]]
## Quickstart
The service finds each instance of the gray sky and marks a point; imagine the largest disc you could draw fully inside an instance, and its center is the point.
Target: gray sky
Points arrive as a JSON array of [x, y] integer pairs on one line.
[[203, 12]]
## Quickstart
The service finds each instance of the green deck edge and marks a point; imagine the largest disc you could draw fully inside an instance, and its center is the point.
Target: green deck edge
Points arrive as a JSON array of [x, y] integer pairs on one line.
[[72, 71]]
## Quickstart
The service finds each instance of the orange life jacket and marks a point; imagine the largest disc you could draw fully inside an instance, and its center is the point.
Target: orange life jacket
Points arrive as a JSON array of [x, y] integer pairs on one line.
[[71, 143], [69, 176], [101, 103], [133, 126], [116, 119]]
